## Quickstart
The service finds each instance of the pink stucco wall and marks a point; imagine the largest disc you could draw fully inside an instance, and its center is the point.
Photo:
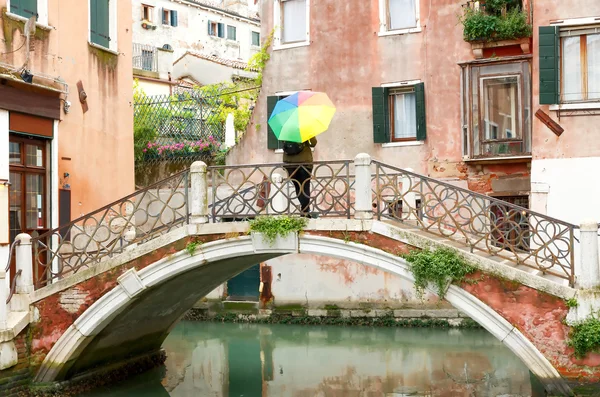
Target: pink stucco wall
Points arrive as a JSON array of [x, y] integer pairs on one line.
[[99, 143]]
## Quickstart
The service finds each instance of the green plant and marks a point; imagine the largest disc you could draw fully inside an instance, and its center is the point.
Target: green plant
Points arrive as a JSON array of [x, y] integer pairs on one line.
[[259, 60], [585, 337], [572, 302], [482, 26], [273, 226], [439, 267], [191, 247]]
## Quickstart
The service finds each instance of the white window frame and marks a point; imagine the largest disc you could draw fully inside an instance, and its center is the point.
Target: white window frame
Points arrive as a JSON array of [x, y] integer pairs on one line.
[[227, 26], [402, 84], [150, 13], [278, 45], [113, 46], [42, 20], [383, 20], [251, 38]]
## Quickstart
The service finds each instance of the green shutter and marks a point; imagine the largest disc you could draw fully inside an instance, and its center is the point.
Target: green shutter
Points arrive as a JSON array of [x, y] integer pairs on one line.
[[549, 54], [381, 127], [174, 18], [420, 108], [99, 22], [272, 142], [24, 8], [221, 30]]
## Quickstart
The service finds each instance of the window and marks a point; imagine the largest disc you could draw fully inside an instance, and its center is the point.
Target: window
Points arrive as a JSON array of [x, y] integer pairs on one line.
[[216, 29], [294, 26], [511, 225], [100, 22], [24, 8], [231, 32], [169, 17], [147, 59], [147, 13], [272, 141], [399, 16], [256, 39], [569, 63], [497, 109], [399, 114]]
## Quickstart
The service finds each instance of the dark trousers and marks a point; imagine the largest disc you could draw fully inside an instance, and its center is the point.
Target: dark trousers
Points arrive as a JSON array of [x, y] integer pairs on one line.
[[300, 176]]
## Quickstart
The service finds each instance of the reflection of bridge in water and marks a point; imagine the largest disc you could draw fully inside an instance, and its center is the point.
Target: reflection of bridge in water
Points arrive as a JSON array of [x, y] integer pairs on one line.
[[124, 267]]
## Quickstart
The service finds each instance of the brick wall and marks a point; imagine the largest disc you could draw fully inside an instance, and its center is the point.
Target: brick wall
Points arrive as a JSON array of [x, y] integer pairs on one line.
[[15, 379]]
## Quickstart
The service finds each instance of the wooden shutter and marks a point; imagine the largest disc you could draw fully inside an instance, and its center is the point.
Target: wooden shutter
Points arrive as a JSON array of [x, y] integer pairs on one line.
[[210, 33], [549, 54], [99, 22], [221, 30], [173, 18], [24, 8], [420, 108], [272, 141], [381, 128]]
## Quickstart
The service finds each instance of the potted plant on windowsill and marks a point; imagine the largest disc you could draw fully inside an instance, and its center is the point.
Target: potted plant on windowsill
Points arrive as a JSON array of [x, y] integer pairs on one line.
[[495, 23]]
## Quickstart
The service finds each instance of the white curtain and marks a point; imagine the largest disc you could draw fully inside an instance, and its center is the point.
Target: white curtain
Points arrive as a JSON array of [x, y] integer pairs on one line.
[[571, 73], [402, 14], [294, 21], [405, 116], [593, 65]]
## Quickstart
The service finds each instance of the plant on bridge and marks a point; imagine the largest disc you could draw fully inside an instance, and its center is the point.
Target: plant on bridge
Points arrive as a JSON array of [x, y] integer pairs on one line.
[[585, 337], [273, 226], [572, 302], [193, 246], [439, 267]]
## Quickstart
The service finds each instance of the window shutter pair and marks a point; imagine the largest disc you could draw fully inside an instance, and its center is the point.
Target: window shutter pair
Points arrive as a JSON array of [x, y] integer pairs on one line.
[[381, 114], [272, 141], [549, 52], [99, 28], [24, 8], [174, 22], [221, 30]]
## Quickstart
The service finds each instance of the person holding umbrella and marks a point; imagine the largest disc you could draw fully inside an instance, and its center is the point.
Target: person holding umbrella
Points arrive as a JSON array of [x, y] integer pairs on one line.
[[296, 120]]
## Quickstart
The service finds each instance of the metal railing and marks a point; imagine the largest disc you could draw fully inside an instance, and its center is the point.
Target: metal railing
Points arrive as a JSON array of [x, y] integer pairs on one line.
[[145, 57], [246, 191], [13, 285], [106, 232], [481, 222], [240, 192]]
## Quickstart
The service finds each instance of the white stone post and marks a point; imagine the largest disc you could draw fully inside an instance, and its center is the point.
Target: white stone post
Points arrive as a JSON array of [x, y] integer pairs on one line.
[[277, 199], [3, 296], [198, 198], [409, 200], [588, 275], [363, 206], [24, 263], [229, 131]]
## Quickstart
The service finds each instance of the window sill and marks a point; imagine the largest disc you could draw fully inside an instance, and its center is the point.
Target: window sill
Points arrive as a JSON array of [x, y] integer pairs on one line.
[[291, 45], [400, 144], [102, 48], [19, 18], [399, 31], [233, 43], [576, 106], [280, 151], [492, 160]]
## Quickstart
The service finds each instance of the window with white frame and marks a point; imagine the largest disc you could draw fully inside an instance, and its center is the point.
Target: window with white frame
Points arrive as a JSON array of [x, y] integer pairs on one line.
[[256, 39], [29, 8], [403, 114], [580, 66], [147, 13], [497, 109], [216, 29], [103, 23], [398, 16], [294, 23], [169, 17], [231, 33]]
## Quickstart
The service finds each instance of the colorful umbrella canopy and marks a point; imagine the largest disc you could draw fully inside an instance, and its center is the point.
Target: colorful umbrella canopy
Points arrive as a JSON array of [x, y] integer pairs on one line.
[[301, 116]]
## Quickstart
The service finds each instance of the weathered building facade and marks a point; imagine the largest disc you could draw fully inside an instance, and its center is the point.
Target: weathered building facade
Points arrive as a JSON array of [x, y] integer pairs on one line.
[[65, 111], [410, 90]]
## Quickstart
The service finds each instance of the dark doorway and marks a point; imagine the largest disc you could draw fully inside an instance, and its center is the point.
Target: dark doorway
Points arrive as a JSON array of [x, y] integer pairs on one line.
[[244, 286]]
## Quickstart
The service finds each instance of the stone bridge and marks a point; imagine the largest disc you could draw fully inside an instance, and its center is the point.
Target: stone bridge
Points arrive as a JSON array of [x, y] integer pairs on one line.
[[105, 290]]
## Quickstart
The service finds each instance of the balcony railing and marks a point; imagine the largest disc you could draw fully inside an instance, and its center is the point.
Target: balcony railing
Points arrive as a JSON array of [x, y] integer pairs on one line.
[[145, 57]]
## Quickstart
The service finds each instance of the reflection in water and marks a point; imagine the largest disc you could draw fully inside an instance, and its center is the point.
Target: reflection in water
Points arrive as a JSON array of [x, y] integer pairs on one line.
[[234, 360]]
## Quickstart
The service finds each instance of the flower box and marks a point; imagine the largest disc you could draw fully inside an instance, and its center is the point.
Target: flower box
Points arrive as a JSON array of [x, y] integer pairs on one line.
[[287, 243], [479, 46]]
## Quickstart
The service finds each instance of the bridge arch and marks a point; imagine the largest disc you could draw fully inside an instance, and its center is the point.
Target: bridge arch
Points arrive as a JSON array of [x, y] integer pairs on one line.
[[171, 285]]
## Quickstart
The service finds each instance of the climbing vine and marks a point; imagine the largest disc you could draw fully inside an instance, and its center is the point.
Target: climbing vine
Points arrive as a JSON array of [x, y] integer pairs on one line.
[[438, 267], [585, 337], [273, 226], [259, 60]]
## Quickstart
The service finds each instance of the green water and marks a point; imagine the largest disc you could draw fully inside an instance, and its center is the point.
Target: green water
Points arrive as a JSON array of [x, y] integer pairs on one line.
[[234, 360]]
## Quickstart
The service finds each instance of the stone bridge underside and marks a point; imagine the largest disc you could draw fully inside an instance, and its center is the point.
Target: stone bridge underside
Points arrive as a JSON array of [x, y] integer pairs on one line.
[[126, 306]]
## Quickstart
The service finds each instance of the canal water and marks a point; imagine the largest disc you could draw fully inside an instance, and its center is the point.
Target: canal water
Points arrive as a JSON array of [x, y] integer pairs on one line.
[[251, 360]]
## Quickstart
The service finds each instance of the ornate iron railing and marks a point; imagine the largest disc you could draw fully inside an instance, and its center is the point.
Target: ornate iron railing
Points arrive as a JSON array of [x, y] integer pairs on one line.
[[481, 222], [106, 232], [245, 191], [13, 284]]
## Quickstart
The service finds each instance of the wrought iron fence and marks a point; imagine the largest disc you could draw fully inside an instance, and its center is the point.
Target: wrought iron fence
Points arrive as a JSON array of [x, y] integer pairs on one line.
[[13, 284], [106, 232], [145, 57], [246, 191], [481, 222]]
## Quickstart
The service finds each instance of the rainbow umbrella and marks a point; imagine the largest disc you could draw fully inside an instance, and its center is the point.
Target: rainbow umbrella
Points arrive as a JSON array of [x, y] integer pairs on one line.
[[301, 116]]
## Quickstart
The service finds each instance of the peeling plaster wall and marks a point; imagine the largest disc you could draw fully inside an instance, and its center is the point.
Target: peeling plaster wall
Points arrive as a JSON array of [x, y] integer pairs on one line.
[[101, 138]]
